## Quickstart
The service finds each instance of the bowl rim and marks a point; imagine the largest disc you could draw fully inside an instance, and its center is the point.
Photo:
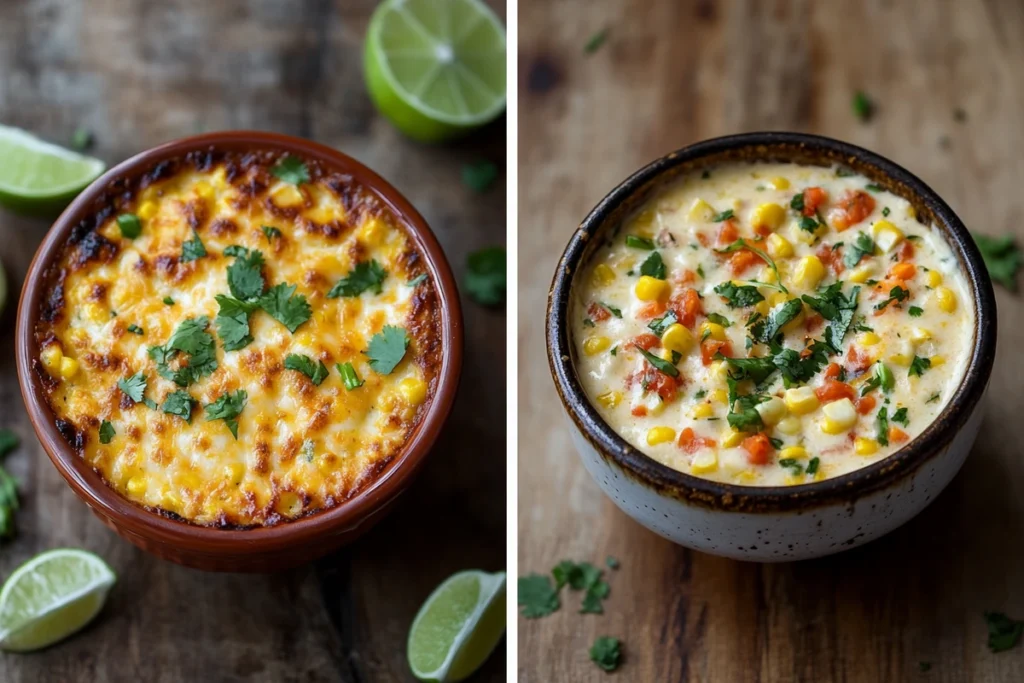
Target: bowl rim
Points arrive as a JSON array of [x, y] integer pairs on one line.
[[763, 146], [254, 541]]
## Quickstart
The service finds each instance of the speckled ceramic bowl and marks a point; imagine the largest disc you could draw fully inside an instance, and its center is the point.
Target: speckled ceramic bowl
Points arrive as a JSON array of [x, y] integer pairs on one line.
[[773, 523]]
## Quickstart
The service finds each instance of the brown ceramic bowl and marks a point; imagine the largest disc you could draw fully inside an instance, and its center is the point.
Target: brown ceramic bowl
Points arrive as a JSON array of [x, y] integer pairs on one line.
[[264, 548]]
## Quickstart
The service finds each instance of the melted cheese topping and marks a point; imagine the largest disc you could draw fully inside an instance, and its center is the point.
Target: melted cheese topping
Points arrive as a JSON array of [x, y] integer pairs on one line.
[[897, 363], [300, 447]]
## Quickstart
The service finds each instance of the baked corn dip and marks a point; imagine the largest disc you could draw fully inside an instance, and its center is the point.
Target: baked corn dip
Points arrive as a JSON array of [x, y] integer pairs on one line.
[[237, 340], [772, 324]]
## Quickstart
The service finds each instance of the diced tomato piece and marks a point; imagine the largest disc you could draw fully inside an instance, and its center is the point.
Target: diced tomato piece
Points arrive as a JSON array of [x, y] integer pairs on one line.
[[759, 449], [906, 251], [903, 270], [687, 306], [857, 361], [597, 312], [833, 390], [833, 258], [762, 230], [741, 260], [814, 197], [666, 387], [702, 238], [812, 322], [865, 404], [897, 435], [832, 371], [691, 443], [646, 341], [651, 310], [710, 347], [639, 411], [854, 206], [684, 277], [727, 233]]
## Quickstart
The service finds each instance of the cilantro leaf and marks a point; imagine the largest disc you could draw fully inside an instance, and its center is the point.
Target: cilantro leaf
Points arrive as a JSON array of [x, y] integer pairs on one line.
[[659, 325], [617, 312], [743, 415], [606, 652], [797, 368], [1003, 632], [757, 370], [245, 275], [653, 266], [579, 576], [106, 432], [719, 319], [178, 403], [130, 225], [191, 339], [915, 311], [863, 107], [812, 466], [133, 387], [479, 176], [307, 366], [228, 407], [168, 301], [485, 276], [367, 275], [349, 376], [862, 246], [741, 244], [285, 306], [593, 597], [797, 202], [638, 242], [387, 348], [135, 329], [1002, 258], [882, 422], [739, 296], [271, 232], [193, 249], [537, 596], [896, 295], [838, 309], [900, 417], [722, 216], [766, 330], [882, 377], [918, 366], [659, 364], [291, 170], [233, 322]]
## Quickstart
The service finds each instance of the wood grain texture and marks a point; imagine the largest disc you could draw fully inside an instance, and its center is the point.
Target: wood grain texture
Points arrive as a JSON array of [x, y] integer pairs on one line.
[[677, 71], [140, 73]]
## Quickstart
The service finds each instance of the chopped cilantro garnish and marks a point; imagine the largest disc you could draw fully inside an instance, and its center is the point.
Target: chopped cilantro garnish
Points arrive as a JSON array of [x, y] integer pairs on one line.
[[843, 172], [617, 312], [933, 398], [486, 276], [233, 322], [739, 296], [882, 423], [135, 329], [480, 175], [291, 170], [809, 224], [271, 232], [169, 301], [757, 370], [245, 275], [793, 464], [719, 319], [653, 266], [659, 363], [701, 393], [741, 244], [1003, 632], [918, 366], [873, 187], [193, 249], [133, 387], [588, 322], [637, 242], [700, 270], [723, 216], [285, 306], [307, 366], [537, 596], [797, 202], [838, 309], [614, 351], [596, 41], [367, 275], [885, 212], [900, 417], [896, 295], [1002, 259], [606, 653], [812, 465], [863, 107], [191, 339], [106, 432], [862, 246], [915, 311], [797, 368], [743, 415], [418, 280], [178, 403], [766, 330], [349, 376], [228, 407], [387, 348], [131, 226], [882, 377]]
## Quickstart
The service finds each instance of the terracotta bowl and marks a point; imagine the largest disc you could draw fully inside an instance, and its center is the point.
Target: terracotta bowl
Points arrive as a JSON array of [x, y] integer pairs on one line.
[[266, 548], [773, 523]]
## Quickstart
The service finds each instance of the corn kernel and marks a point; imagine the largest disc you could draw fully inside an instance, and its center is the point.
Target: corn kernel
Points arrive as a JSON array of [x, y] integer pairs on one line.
[[147, 210], [595, 345], [776, 298], [863, 446], [702, 411], [713, 330], [779, 183], [719, 396], [603, 275], [677, 338], [610, 399], [934, 278], [868, 339], [793, 479], [52, 356], [793, 453], [789, 425], [413, 389], [886, 235], [701, 211], [732, 438], [68, 367], [769, 216], [372, 233], [137, 485], [919, 335], [936, 361], [706, 460], [771, 411], [946, 299], [97, 313], [809, 272], [904, 353], [643, 220], [762, 307], [779, 246], [664, 354], [658, 435], [746, 477], [651, 289], [839, 416], [801, 400], [862, 274], [718, 371], [822, 473], [287, 196]]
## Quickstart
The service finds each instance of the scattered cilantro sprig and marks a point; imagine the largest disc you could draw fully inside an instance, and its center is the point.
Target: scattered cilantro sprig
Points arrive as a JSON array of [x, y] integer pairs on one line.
[[1002, 258], [387, 348], [316, 373], [228, 407], [368, 275]]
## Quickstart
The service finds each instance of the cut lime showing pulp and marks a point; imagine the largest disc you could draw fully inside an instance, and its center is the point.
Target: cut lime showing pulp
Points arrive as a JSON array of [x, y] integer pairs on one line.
[[50, 597], [458, 627], [39, 178], [436, 68]]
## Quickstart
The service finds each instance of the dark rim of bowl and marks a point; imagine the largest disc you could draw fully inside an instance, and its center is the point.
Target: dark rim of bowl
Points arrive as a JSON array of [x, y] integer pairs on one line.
[[780, 147], [345, 516]]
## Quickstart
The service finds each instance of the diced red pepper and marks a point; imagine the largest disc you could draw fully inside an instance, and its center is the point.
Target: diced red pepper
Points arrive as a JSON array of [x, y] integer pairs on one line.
[[853, 207], [759, 449], [710, 347], [597, 312], [833, 390]]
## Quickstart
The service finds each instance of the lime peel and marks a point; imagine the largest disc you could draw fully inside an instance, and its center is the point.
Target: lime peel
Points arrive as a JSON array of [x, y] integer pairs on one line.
[[38, 177]]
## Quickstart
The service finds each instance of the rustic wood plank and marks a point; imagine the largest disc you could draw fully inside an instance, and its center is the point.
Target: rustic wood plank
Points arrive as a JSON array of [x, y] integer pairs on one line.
[[138, 74], [674, 72]]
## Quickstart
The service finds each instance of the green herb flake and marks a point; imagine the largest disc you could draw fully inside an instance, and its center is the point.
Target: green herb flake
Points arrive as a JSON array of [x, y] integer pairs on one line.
[[862, 246], [882, 377], [349, 376], [719, 319], [739, 296], [1002, 258], [192, 340], [882, 424], [131, 226], [193, 249], [700, 271], [918, 366], [227, 407], [291, 170], [809, 224], [838, 309], [368, 275], [637, 242], [387, 348], [885, 212], [659, 364], [701, 393], [133, 387], [233, 322], [537, 596], [915, 311], [873, 187], [863, 107], [653, 266], [901, 417], [135, 329], [896, 295], [486, 276], [723, 216], [768, 329], [1003, 632], [169, 301], [286, 307], [480, 175], [309, 367], [606, 652], [614, 351], [245, 274], [812, 466], [106, 432], [934, 398], [587, 322], [595, 41], [271, 232], [797, 202], [178, 403], [617, 312]]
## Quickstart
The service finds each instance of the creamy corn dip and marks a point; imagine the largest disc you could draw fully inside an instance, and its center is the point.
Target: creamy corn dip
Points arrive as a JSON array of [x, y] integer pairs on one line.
[[772, 324]]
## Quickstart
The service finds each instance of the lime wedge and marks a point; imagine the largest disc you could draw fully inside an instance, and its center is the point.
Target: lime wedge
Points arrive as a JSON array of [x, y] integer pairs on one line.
[[50, 597], [436, 69], [458, 627], [39, 178]]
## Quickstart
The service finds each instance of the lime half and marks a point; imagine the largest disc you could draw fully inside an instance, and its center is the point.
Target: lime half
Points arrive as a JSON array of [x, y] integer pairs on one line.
[[436, 68], [39, 178], [50, 597], [458, 627]]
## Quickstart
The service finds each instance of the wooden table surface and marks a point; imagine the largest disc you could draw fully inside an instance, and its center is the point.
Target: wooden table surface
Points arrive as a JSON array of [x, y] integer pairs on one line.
[[141, 73], [676, 71]]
